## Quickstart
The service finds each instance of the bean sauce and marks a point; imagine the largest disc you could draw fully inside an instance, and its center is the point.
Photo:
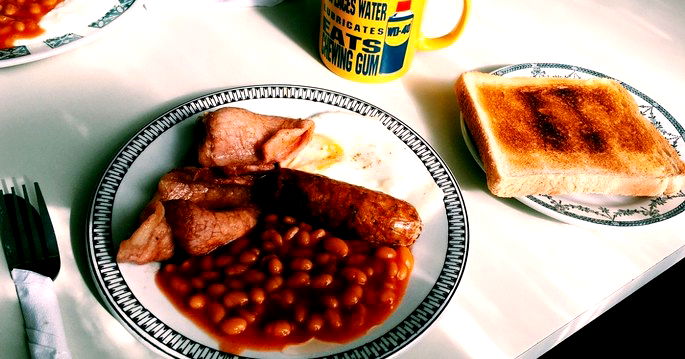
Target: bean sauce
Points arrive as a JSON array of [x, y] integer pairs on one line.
[[286, 283]]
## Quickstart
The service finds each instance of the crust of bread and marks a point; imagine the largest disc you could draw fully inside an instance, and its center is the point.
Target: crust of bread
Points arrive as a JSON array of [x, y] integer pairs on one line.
[[560, 136]]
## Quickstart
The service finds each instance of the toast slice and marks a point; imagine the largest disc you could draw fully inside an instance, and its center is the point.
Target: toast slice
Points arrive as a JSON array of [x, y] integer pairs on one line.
[[561, 136]]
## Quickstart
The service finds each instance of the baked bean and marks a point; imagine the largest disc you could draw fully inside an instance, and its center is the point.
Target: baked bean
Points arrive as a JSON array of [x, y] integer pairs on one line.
[[170, 268], [369, 271], [19, 26], [249, 316], [301, 264], [216, 289], [197, 283], [10, 9], [179, 285], [187, 265], [385, 253], [322, 281], [239, 245], [210, 275], [279, 328], [333, 318], [216, 312], [352, 295], [336, 246], [257, 295], [271, 218], [290, 233], [272, 235], [289, 220], [300, 313], [235, 269], [235, 299], [303, 238], [287, 297], [330, 301], [207, 263], [315, 322], [318, 234], [391, 269], [254, 276], [402, 272], [387, 297], [305, 227], [268, 246], [197, 301], [298, 280], [235, 283], [353, 274], [273, 283], [389, 285], [233, 326], [249, 256], [356, 259], [406, 257], [275, 266], [223, 260], [35, 9], [323, 258]]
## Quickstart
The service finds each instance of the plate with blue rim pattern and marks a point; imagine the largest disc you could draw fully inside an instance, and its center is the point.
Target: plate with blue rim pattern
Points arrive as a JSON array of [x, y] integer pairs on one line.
[[70, 24], [618, 211], [129, 291]]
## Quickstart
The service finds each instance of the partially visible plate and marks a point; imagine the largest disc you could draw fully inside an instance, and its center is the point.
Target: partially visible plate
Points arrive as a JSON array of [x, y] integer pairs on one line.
[[129, 181], [621, 211], [67, 26]]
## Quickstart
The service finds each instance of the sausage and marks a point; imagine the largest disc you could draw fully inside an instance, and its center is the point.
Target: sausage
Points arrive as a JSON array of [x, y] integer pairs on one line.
[[342, 207]]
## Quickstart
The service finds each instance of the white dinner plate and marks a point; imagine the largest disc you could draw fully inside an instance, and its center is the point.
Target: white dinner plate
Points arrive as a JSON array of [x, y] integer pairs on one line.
[[69, 25], [621, 211], [129, 181]]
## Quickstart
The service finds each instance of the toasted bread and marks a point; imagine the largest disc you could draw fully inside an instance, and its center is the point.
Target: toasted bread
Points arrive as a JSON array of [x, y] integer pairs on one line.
[[561, 136]]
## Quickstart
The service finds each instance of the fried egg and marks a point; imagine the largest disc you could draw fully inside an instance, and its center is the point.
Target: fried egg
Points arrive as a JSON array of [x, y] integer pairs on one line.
[[360, 150]]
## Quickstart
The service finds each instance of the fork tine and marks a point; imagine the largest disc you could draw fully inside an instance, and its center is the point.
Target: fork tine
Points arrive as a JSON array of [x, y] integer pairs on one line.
[[36, 237], [20, 239], [48, 230], [8, 241]]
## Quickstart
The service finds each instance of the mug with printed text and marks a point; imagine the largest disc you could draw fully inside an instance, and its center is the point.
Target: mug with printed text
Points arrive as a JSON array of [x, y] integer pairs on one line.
[[375, 40]]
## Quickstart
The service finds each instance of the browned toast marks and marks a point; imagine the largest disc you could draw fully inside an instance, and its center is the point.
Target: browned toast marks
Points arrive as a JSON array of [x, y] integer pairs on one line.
[[565, 136]]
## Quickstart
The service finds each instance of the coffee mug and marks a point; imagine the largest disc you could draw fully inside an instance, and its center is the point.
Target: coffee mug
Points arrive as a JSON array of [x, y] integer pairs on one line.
[[375, 40]]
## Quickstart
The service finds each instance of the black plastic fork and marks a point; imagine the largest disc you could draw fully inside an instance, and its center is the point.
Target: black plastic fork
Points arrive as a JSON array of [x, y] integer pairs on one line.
[[28, 237]]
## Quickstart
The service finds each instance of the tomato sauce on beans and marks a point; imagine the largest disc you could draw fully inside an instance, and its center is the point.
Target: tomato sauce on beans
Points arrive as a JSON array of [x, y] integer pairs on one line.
[[19, 19], [287, 283]]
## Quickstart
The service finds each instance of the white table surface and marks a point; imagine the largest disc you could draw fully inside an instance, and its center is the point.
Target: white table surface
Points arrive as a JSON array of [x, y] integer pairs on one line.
[[530, 281]]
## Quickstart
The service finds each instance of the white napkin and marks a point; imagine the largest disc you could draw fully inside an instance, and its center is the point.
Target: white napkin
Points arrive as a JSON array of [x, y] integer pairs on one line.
[[42, 319]]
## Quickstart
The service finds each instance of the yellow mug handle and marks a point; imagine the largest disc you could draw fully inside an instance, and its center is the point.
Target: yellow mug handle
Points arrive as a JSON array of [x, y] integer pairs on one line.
[[436, 43]]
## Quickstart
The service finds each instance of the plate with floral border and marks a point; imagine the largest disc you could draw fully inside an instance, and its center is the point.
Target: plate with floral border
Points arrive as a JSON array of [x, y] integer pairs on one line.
[[618, 211], [131, 295], [70, 24]]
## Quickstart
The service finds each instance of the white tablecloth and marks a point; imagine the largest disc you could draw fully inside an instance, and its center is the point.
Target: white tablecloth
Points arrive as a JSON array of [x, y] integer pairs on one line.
[[530, 281]]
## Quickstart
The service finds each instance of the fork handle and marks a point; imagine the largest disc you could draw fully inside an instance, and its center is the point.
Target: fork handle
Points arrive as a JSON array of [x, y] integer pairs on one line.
[[42, 319]]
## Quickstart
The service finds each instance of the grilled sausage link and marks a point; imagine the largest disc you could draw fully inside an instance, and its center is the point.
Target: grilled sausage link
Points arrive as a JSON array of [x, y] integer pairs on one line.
[[348, 209]]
